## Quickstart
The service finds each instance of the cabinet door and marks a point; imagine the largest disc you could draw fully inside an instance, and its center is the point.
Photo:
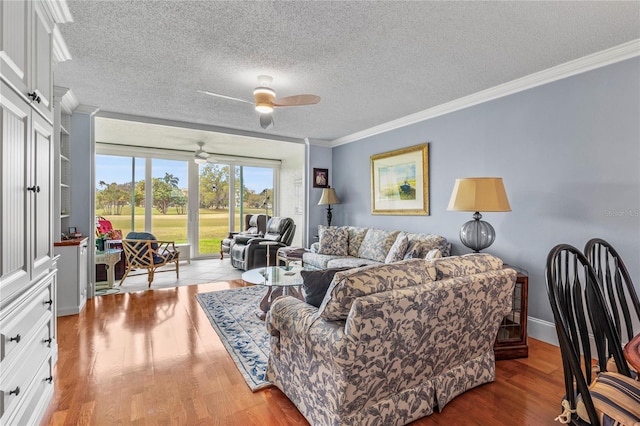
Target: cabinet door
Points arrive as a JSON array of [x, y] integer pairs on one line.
[[42, 198], [41, 69], [15, 269], [14, 43]]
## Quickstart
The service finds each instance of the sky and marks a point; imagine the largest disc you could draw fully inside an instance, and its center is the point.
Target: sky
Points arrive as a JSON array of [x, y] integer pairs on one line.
[[116, 169]]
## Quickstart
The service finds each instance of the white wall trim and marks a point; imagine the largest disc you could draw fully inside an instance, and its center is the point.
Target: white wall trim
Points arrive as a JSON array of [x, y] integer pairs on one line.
[[196, 126], [61, 52], [186, 155], [600, 59], [542, 330]]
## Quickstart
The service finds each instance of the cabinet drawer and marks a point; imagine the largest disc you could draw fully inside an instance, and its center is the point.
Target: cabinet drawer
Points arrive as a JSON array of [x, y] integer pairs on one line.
[[36, 399], [16, 328], [15, 380]]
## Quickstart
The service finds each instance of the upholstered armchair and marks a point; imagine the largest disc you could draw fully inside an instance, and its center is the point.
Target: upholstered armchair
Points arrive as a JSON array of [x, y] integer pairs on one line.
[[255, 225], [247, 252]]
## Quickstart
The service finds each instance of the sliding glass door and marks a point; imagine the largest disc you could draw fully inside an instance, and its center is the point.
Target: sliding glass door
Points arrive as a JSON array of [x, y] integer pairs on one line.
[[213, 211], [120, 191], [180, 201], [169, 200]]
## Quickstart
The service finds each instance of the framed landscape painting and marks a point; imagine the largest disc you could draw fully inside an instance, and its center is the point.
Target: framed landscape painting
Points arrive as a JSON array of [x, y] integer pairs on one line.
[[400, 181]]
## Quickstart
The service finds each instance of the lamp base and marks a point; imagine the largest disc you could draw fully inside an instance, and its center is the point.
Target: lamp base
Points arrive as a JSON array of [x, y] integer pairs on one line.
[[329, 215], [477, 234]]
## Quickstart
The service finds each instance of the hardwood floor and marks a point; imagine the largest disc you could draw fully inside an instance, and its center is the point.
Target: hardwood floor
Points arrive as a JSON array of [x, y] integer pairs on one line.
[[154, 358]]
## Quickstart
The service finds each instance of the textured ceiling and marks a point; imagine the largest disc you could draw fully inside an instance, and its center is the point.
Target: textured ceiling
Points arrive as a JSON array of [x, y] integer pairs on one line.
[[370, 62]]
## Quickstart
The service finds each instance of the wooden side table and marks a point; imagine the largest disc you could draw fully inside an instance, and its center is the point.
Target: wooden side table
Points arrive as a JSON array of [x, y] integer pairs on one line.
[[511, 341]]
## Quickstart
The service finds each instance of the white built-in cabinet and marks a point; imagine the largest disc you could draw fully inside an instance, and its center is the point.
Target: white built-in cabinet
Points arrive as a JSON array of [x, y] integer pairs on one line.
[[64, 103], [28, 269], [72, 277]]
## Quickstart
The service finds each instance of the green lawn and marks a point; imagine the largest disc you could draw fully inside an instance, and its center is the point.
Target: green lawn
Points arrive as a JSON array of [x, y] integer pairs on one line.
[[214, 225]]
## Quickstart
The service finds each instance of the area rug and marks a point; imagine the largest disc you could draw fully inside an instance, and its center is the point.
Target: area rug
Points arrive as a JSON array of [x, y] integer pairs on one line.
[[232, 314], [105, 291]]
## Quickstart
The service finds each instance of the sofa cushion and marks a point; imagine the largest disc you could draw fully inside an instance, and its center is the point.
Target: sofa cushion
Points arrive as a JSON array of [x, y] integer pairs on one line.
[[397, 250], [421, 244], [356, 235], [473, 263], [376, 244], [351, 262], [351, 284], [316, 283], [334, 241]]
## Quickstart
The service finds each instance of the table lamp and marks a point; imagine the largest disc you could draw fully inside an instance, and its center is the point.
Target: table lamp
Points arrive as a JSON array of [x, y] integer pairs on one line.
[[477, 194], [328, 197]]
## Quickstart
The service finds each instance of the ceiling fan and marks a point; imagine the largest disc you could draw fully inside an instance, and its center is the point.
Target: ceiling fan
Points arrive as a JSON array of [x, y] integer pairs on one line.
[[265, 100], [200, 156]]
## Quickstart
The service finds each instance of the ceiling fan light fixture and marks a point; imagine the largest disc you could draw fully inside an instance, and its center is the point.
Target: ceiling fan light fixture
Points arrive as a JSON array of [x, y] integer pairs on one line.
[[264, 108], [199, 160], [264, 99]]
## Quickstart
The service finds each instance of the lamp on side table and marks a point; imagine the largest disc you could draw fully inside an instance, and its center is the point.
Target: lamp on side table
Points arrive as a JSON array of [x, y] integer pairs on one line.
[[328, 197]]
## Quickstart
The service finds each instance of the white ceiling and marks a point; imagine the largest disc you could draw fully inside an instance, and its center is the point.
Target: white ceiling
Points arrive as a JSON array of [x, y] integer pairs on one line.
[[370, 62]]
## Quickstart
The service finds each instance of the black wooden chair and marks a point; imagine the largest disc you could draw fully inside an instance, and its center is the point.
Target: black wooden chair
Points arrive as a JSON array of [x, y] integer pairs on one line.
[[616, 284], [593, 396]]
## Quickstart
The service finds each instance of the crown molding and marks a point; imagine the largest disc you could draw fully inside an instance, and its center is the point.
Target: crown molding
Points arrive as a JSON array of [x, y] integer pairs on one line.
[[606, 57], [61, 52], [58, 10], [86, 109]]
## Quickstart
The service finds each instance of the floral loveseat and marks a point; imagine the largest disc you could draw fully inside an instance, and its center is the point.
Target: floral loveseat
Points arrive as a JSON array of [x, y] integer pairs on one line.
[[352, 246], [390, 342]]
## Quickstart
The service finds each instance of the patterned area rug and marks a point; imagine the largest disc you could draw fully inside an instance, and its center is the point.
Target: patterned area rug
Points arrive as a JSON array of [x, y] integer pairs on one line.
[[233, 316]]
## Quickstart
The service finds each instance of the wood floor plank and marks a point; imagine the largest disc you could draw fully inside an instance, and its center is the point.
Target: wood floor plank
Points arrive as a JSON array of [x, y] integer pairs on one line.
[[153, 358]]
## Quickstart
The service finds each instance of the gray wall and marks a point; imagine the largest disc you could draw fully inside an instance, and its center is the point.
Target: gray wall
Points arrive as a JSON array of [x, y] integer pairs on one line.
[[569, 153], [319, 157]]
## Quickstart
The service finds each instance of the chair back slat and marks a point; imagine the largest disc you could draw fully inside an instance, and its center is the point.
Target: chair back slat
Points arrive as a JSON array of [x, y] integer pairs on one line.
[[617, 285]]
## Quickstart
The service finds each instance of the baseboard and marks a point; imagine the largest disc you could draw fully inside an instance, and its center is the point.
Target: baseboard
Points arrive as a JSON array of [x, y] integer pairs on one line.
[[542, 330]]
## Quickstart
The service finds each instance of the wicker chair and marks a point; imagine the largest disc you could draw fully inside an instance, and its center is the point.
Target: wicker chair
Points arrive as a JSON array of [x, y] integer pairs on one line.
[[143, 251]]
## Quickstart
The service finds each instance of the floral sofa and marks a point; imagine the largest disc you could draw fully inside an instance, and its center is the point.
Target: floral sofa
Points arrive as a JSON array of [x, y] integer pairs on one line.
[[390, 343], [353, 246]]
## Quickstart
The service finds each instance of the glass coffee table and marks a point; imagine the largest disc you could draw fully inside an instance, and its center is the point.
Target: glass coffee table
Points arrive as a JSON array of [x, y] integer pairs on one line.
[[279, 280]]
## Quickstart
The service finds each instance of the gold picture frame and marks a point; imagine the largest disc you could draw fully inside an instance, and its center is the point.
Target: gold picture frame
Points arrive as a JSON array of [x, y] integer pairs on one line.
[[400, 181]]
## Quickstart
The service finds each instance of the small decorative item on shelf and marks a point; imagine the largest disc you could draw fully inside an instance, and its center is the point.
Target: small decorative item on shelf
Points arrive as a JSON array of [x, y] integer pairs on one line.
[[100, 244]]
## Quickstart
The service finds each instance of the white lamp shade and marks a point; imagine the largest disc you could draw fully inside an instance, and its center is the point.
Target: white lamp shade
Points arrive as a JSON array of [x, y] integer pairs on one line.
[[483, 194]]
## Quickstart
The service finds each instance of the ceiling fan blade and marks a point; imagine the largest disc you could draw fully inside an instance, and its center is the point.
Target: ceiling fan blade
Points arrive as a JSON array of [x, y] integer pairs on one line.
[[224, 96], [296, 100], [266, 121]]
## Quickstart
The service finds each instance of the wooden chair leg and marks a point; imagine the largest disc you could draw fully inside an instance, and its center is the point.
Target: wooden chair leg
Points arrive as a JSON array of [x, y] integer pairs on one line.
[[177, 268], [150, 276]]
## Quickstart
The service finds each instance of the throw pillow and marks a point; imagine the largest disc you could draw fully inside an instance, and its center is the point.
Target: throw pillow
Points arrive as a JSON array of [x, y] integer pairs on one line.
[[399, 247], [334, 241], [433, 254], [376, 244], [356, 235], [316, 283]]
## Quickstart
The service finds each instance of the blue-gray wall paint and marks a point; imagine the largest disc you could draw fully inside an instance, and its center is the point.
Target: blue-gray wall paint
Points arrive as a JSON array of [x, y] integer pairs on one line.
[[319, 157], [569, 153]]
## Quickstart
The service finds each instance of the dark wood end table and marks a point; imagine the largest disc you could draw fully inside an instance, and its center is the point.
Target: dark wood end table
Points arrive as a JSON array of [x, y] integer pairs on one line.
[[511, 341]]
